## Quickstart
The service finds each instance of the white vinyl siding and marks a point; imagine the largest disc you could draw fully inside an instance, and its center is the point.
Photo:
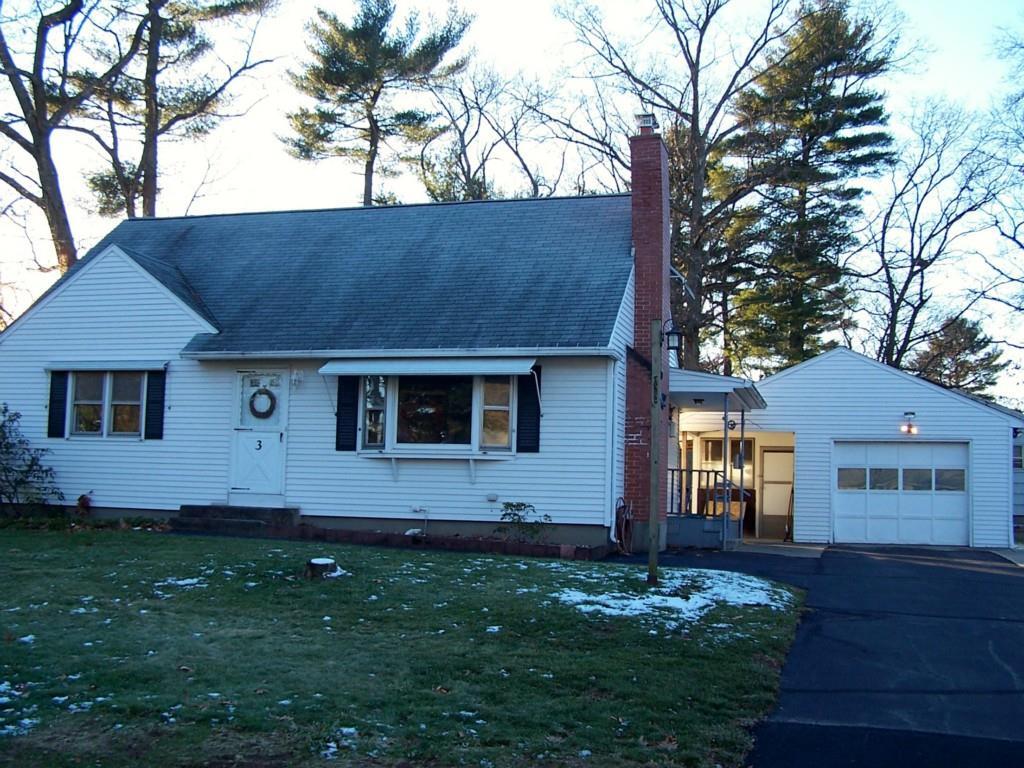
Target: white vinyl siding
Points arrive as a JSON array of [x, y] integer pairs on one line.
[[1018, 480], [567, 479], [622, 337], [113, 311]]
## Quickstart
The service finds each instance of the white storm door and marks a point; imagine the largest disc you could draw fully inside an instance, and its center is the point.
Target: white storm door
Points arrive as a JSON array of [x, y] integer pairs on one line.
[[776, 491], [258, 451]]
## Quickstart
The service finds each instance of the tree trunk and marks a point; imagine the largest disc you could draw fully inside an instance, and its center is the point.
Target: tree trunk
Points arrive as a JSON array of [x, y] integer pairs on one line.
[[695, 267], [320, 567], [148, 162], [371, 161], [53, 206]]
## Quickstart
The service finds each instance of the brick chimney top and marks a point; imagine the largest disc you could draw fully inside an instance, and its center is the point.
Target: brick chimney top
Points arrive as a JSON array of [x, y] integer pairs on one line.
[[646, 124]]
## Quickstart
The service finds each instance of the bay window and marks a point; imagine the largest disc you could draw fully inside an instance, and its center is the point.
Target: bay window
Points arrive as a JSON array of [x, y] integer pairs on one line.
[[449, 413]]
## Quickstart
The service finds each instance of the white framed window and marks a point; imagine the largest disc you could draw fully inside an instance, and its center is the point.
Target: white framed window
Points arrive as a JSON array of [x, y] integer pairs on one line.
[[496, 423], [374, 412], [713, 450], [125, 414], [107, 403], [1018, 457], [437, 413], [87, 396]]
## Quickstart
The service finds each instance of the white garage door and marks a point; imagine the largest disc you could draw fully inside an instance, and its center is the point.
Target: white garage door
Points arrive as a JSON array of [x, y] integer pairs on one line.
[[900, 493]]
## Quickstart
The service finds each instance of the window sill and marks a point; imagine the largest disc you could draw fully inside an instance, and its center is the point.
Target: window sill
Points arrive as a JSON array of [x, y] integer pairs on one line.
[[369, 453], [470, 457]]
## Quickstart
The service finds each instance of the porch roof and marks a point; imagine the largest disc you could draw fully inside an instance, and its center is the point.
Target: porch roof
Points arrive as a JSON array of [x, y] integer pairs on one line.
[[700, 391]]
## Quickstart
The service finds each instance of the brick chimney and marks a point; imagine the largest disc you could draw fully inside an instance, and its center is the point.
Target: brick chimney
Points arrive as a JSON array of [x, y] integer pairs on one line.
[[650, 207]]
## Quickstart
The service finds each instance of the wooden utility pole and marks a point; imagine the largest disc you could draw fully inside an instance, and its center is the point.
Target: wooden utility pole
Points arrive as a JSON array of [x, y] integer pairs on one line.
[[653, 521]]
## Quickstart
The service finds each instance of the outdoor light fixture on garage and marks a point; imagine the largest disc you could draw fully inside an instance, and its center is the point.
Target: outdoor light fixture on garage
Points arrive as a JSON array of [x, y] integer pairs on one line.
[[908, 427]]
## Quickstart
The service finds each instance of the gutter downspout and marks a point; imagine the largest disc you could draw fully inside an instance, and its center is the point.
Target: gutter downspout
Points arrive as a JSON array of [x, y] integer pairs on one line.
[[612, 421]]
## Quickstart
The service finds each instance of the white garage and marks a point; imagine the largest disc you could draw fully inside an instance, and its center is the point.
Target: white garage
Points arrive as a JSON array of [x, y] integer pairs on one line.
[[879, 456], [901, 493]]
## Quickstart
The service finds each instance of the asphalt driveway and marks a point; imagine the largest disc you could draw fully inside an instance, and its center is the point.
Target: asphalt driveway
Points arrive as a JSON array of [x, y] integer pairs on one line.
[[905, 657]]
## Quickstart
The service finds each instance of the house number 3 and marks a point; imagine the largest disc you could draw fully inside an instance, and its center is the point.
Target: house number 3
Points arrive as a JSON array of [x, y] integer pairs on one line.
[[259, 445]]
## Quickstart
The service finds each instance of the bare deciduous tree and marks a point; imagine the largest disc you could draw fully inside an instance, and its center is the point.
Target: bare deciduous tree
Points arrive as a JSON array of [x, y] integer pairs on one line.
[[46, 63], [934, 205], [176, 90], [720, 52]]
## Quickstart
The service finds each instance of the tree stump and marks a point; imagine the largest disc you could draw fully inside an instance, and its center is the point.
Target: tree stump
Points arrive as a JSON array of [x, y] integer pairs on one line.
[[320, 567]]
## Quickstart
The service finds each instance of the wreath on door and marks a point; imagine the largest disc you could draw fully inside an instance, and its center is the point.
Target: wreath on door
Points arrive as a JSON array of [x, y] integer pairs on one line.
[[268, 403]]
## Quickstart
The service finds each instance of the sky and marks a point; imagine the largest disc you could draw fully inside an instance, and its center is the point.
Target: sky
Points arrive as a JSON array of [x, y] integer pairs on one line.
[[243, 165]]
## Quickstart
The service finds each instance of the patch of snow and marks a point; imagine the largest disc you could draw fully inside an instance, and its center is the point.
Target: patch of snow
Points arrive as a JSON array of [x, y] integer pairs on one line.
[[27, 639], [193, 583], [20, 728], [285, 702], [494, 629], [684, 596], [322, 561]]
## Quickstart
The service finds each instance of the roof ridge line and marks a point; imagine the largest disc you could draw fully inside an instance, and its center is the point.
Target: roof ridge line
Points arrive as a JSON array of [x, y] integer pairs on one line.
[[380, 207]]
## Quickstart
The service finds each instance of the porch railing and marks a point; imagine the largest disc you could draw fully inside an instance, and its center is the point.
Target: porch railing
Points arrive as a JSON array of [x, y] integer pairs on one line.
[[701, 492]]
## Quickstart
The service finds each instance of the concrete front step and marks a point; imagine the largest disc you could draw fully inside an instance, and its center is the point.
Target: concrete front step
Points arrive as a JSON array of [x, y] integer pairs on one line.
[[230, 525], [276, 516]]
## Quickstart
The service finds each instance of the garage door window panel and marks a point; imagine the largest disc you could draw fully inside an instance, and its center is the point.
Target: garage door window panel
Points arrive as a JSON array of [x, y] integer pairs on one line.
[[950, 480], [917, 479], [884, 479], [852, 479]]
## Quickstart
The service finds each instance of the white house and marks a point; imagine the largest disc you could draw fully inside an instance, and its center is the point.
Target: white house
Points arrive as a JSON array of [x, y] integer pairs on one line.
[[849, 450], [385, 368], [418, 366]]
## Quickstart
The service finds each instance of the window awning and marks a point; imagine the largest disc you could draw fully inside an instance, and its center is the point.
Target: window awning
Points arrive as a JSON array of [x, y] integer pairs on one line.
[[425, 366], [109, 365]]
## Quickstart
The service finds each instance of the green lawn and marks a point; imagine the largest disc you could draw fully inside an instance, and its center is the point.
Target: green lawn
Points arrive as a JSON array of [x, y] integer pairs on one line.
[[141, 648]]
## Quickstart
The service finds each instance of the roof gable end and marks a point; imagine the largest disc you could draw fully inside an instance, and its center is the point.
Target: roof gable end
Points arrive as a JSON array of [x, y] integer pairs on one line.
[[856, 357]]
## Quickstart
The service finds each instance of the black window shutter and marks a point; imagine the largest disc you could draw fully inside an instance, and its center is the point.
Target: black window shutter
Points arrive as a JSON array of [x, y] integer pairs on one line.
[[57, 417], [348, 413], [156, 388], [528, 414]]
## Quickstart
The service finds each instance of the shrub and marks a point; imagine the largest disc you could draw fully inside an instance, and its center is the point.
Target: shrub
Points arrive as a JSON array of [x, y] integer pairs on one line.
[[24, 478], [522, 523]]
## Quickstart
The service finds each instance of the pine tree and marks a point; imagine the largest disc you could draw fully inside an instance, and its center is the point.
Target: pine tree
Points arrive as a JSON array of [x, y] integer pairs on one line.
[[356, 71], [961, 356], [810, 124], [173, 88]]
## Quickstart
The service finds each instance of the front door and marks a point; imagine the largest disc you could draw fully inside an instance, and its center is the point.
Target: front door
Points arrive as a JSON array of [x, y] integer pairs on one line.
[[776, 492], [261, 416]]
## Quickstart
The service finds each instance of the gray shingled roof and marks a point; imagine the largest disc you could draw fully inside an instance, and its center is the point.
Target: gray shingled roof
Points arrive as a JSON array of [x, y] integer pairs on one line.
[[499, 274]]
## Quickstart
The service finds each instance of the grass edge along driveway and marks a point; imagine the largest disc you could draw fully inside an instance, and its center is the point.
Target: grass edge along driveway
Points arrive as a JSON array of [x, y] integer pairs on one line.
[[129, 648]]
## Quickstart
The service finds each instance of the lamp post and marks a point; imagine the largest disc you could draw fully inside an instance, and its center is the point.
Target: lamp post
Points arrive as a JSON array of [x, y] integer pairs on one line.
[[662, 335]]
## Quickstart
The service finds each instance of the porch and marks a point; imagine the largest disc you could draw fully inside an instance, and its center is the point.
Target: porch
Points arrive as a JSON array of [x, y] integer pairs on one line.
[[712, 493]]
